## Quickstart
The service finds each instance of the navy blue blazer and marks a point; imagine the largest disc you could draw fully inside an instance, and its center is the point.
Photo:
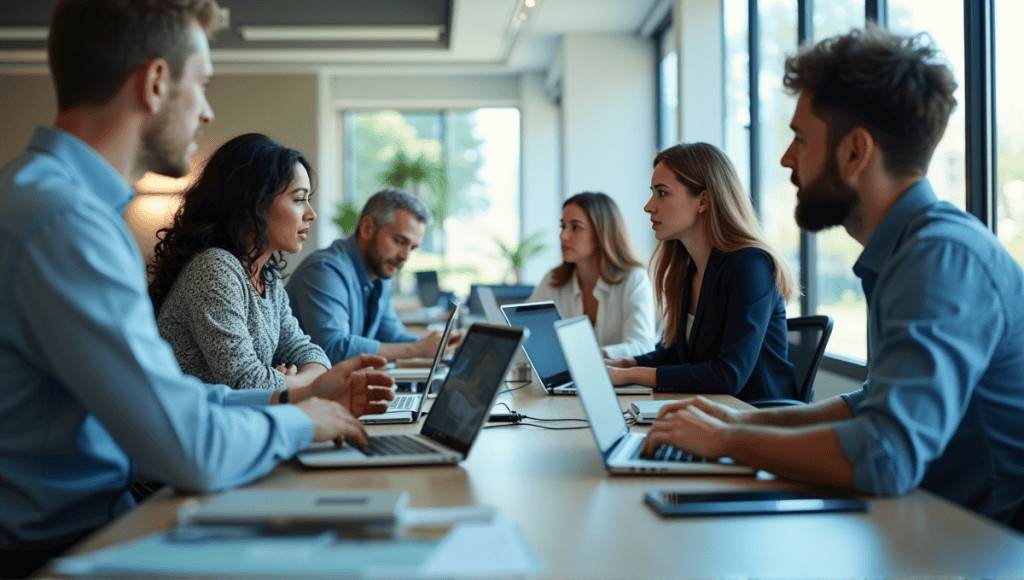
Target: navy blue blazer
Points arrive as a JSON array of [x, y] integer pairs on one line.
[[738, 341]]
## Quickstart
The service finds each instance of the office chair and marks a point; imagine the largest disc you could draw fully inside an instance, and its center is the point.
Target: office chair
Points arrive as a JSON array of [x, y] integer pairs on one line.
[[808, 337]]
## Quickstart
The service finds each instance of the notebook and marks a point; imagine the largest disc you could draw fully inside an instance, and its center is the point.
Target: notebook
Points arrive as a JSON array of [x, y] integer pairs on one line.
[[406, 408], [619, 448], [463, 404], [543, 351]]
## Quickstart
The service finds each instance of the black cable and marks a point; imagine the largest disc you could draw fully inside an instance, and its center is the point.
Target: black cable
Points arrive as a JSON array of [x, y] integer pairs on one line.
[[522, 386], [539, 419]]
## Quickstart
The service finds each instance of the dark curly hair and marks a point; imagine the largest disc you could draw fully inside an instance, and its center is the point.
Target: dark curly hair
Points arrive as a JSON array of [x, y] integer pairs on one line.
[[893, 85], [228, 204]]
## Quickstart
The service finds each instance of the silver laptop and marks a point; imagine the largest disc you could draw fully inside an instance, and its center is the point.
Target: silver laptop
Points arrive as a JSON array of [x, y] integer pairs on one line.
[[543, 351], [463, 404], [644, 412], [619, 448], [490, 305], [406, 408]]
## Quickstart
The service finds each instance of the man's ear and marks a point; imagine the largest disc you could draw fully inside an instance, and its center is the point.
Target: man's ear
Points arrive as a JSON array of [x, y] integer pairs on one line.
[[366, 228], [854, 152], [153, 85]]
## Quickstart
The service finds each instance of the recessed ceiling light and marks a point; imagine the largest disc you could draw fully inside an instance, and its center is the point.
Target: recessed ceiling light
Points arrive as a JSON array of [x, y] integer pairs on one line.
[[327, 33], [530, 3], [23, 33]]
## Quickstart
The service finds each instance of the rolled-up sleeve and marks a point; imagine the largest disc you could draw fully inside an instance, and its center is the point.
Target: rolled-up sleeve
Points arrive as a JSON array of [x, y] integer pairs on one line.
[[931, 340], [82, 290]]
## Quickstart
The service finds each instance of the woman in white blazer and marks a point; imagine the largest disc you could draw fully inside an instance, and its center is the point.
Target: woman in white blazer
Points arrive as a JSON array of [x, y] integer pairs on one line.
[[601, 277]]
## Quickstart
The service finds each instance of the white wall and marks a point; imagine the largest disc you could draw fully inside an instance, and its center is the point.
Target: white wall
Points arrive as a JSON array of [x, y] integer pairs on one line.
[[608, 123], [700, 44], [542, 193]]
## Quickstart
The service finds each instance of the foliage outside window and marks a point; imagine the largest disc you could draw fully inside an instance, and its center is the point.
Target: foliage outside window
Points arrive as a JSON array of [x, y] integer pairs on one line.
[[464, 166]]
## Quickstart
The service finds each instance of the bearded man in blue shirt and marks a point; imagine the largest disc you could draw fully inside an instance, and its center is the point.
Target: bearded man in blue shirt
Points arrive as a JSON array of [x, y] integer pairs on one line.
[[942, 404], [89, 392]]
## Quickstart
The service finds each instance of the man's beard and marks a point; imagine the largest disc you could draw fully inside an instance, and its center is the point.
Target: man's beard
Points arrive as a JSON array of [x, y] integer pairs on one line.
[[161, 151], [826, 201], [375, 261]]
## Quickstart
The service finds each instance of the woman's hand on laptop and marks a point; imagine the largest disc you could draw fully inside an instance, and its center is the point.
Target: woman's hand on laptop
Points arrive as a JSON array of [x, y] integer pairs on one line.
[[331, 421]]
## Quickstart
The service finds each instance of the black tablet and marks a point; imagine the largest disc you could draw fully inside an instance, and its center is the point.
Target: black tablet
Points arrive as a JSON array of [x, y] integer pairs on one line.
[[670, 503]]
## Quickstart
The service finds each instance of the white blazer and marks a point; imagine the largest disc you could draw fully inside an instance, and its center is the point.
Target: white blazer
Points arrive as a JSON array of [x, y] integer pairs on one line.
[[625, 311]]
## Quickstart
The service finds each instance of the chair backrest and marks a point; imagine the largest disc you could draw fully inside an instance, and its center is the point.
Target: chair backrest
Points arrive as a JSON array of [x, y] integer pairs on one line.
[[808, 337]]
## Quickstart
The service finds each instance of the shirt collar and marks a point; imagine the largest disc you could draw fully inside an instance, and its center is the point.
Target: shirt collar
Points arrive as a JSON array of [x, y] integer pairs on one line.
[[351, 246], [87, 166], [889, 233]]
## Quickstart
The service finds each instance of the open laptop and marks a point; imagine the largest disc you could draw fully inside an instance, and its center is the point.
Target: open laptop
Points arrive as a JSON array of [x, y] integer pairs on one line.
[[543, 351], [406, 407], [426, 373], [464, 403], [619, 448]]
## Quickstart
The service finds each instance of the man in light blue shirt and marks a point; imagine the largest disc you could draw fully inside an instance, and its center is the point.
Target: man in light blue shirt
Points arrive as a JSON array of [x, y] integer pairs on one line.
[[89, 392], [943, 403], [342, 293]]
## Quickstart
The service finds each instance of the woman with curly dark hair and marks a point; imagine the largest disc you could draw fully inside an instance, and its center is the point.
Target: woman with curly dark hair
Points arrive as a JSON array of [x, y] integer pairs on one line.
[[215, 280]]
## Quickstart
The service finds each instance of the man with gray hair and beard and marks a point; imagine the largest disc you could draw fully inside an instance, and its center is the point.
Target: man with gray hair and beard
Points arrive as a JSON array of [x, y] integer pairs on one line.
[[342, 293]]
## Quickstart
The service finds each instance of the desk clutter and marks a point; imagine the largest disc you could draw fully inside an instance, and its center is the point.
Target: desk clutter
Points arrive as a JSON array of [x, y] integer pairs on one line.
[[306, 534]]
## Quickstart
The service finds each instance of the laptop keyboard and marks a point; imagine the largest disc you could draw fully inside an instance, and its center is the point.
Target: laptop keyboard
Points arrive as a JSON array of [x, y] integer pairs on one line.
[[403, 403], [669, 453], [383, 445]]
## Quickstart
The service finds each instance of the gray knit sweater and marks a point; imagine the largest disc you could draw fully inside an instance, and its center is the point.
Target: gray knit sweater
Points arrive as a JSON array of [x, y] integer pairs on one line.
[[222, 331]]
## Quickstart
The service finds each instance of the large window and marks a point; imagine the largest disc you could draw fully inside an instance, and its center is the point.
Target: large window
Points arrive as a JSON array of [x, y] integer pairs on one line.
[[777, 39], [464, 165], [668, 87], [1010, 136], [838, 292]]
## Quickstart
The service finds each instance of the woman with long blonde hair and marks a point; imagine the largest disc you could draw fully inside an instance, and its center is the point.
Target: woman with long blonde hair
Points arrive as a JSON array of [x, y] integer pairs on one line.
[[721, 288], [601, 277]]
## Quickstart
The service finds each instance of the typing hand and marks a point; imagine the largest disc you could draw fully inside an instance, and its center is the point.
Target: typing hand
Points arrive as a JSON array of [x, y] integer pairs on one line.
[[689, 429], [719, 411], [331, 421]]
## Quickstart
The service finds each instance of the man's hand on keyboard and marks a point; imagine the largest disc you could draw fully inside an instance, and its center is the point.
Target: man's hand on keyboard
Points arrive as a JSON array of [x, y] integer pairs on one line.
[[332, 421], [688, 428]]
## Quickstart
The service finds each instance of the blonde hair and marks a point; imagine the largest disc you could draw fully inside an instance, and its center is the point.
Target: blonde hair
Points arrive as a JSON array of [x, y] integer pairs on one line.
[[730, 225], [615, 255]]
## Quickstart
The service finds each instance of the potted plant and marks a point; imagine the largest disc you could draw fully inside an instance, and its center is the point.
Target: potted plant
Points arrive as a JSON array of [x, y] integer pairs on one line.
[[518, 254]]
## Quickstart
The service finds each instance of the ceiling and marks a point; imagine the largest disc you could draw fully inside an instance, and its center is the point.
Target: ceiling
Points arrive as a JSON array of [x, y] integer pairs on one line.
[[420, 35]]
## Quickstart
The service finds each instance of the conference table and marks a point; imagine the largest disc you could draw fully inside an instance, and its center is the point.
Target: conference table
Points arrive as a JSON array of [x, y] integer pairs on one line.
[[584, 523]]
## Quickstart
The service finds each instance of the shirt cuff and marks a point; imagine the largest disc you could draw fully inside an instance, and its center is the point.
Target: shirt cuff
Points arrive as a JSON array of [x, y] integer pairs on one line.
[[874, 459], [249, 397], [295, 424]]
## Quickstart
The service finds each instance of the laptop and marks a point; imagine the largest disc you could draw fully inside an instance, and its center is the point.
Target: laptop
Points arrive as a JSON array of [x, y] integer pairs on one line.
[[427, 373], [644, 412], [619, 448], [543, 351], [406, 407], [463, 404]]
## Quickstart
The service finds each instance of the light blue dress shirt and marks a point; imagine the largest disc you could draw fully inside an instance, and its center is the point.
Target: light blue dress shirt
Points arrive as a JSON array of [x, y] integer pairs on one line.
[[943, 404], [88, 390], [330, 294]]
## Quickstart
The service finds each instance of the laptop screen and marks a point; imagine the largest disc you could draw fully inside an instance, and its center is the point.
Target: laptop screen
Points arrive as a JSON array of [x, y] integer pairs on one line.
[[541, 347], [593, 385], [427, 288], [476, 373]]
